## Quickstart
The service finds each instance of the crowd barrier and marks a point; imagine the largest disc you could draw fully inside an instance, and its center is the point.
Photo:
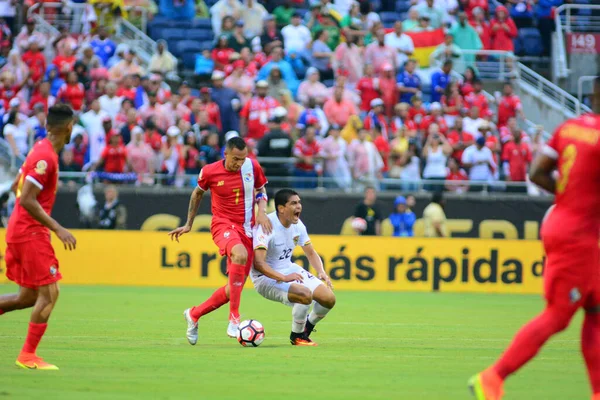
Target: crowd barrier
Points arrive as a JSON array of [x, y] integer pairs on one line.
[[354, 263]]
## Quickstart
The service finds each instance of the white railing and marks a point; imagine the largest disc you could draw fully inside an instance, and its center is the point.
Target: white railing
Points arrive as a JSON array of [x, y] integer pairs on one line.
[[549, 93], [136, 39], [490, 64], [568, 22]]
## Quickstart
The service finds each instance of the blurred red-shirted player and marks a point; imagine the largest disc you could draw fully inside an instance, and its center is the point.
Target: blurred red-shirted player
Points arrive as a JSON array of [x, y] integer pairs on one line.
[[256, 112], [30, 259], [236, 184], [570, 233]]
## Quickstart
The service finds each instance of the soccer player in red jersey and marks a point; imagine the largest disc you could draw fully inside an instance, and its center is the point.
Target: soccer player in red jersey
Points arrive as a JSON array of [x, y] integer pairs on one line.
[[236, 184], [570, 234], [30, 259]]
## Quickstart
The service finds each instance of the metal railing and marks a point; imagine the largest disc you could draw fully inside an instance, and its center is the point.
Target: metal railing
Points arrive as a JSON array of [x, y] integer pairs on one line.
[[136, 39], [490, 64], [549, 93], [567, 22], [74, 16]]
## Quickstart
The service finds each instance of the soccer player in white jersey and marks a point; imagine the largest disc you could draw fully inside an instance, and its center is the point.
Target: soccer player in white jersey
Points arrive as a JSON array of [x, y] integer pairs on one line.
[[276, 278]]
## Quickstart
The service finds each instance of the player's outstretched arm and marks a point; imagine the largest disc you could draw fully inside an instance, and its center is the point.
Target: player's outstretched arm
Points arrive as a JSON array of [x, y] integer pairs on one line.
[[315, 260], [541, 172], [260, 265], [29, 202], [195, 200]]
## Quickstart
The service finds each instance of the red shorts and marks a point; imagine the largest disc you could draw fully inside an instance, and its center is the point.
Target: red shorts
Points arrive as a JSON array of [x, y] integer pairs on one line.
[[226, 235], [32, 264], [572, 274]]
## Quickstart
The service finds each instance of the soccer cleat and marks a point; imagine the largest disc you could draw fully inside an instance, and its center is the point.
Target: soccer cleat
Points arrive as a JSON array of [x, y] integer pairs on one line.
[[486, 385], [233, 328], [31, 361], [192, 329], [300, 339], [308, 329]]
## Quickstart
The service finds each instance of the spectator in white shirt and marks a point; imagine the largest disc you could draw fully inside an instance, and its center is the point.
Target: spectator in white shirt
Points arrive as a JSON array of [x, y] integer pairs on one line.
[[401, 42], [16, 133], [110, 103], [472, 123], [92, 120], [480, 161], [296, 36]]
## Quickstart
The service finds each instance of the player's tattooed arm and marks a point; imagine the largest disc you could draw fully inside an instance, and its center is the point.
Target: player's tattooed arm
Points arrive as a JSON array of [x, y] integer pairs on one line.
[[195, 200]]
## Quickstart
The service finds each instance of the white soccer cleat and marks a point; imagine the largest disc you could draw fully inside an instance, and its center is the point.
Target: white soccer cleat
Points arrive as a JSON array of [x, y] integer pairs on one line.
[[233, 329], [192, 329]]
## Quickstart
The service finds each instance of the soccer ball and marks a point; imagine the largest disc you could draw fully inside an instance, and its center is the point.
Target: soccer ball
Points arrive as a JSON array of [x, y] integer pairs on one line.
[[251, 333], [359, 225]]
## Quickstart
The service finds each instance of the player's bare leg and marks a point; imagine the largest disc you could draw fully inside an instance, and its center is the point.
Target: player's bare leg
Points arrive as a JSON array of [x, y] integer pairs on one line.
[[488, 385], [324, 302], [46, 300], [590, 347], [237, 279], [302, 298], [24, 298]]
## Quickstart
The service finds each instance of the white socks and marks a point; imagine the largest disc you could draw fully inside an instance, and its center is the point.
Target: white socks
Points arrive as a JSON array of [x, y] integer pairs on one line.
[[318, 313], [299, 313]]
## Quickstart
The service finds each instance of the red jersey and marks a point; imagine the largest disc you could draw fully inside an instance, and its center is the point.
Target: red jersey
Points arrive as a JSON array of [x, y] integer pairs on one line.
[[154, 140], [466, 89], [518, 157], [368, 92], [454, 102], [257, 111], [303, 149], [114, 159], [36, 63], [232, 193], [460, 175], [64, 64], [128, 93], [576, 147], [485, 34], [477, 100], [384, 149], [397, 123], [456, 137], [221, 57], [41, 169], [39, 99], [508, 107], [72, 94], [430, 119], [214, 115], [416, 114]]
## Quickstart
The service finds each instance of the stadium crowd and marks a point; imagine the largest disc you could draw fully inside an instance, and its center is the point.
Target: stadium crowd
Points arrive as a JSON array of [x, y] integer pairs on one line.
[[330, 86]]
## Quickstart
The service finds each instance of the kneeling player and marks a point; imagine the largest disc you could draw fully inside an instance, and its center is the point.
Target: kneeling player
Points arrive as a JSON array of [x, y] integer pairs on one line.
[[276, 278]]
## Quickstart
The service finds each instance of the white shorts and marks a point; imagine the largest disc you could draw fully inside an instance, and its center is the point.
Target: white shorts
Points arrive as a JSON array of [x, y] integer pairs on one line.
[[278, 291]]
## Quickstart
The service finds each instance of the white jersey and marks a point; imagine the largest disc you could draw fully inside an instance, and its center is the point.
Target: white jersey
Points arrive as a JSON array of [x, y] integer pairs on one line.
[[279, 244]]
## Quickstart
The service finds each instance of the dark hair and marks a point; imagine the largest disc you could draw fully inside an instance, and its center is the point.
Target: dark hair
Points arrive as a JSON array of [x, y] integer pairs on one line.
[[437, 197], [127, 100], [236, 143], [448, 63], [283, 196], [477, 81], [59, 115]]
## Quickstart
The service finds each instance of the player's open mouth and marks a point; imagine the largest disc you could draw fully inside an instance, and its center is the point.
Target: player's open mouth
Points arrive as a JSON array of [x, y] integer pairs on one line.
[[297, 214]]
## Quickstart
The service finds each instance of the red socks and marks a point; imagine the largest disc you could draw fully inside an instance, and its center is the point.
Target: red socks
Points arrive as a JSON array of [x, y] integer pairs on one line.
[[590, 346], [530, 339], [237, 279], [218, 298], [34, 335]]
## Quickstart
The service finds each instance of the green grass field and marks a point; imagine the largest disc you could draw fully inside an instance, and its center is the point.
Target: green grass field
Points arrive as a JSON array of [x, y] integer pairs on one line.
[[124, 343]]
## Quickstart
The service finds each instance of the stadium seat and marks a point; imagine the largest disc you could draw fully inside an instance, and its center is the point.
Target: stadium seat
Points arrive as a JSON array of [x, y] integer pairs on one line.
[[160, 19], [518, 43], [170, 34], [189, 60], [199, 34], [188, 46], [531, 41], [155, 28], [201, 23], [302, 11], [402, 6], [389, 18], [376, 4], [207, 45]]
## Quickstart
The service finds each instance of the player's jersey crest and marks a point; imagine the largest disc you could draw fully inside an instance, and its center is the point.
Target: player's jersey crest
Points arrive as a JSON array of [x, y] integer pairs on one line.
[[296, 238], [248, 177], [226, 234], [41, 167], [574, 295], [53, 270]]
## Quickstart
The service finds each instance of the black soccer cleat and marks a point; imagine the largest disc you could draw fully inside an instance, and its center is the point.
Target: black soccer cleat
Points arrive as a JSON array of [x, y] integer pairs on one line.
[[300, 339], [308, 329]]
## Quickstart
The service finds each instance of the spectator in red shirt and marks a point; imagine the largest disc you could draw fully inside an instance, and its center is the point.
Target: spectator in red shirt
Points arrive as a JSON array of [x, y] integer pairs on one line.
[[307, 151], [255, 114], [36, 62], [452, 102], [516, 157], [152, 136], [417, 111], [383, 147], [72, 92], [65, 62], [477, 98], [459, 139], [389, 89], [457, 179], [503, 31], [376, 118], [221, 52], [206, 104], [402, 119], [469, 76], [482, 27], [42, 97], [79, 149], [126, 89], [509, 105], [435, 117], [114, 156], [368, 87]]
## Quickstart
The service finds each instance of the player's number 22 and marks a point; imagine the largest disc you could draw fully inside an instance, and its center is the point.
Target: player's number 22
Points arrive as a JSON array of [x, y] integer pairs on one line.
[[569, 155]]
